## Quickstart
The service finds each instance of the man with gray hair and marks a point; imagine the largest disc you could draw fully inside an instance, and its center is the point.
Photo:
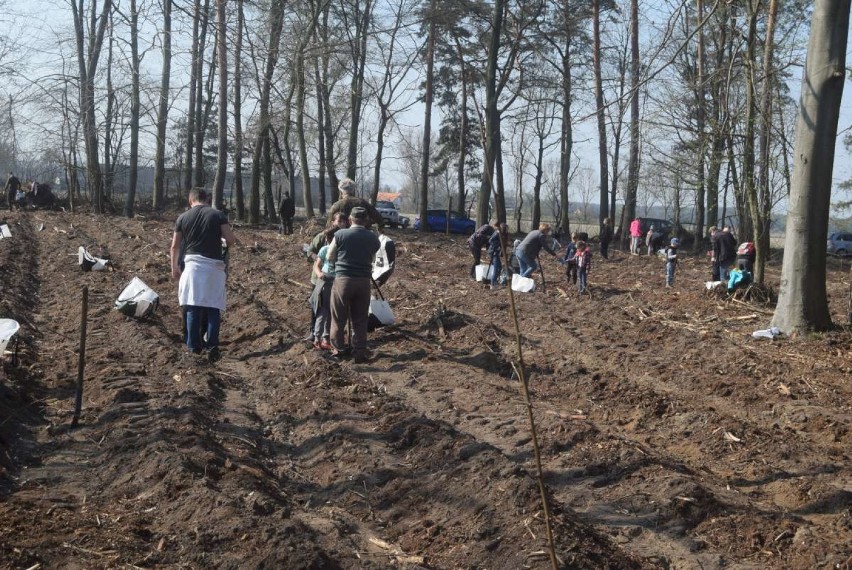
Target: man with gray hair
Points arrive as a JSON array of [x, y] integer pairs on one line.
[[348, 200], [352, 252]]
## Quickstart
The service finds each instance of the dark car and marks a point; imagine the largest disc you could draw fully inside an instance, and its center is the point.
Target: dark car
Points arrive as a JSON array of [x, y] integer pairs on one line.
[[663, 227], [437, 222], [839, 244]]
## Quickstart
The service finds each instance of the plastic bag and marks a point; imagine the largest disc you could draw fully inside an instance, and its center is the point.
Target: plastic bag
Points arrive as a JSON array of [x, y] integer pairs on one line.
[[89, 262], [522, 284], [137, 300]]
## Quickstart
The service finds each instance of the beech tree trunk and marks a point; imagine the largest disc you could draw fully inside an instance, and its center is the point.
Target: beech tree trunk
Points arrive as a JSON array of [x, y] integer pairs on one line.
[[492, 123], [238, 121], [629, 212], [599, 102], [427, 121], [133, 174], [803, 303]]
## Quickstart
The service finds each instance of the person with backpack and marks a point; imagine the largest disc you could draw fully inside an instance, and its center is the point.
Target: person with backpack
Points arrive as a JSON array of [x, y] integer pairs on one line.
[[476, 242], [745, 256], [671, 261], [725, 252], [584, 266]]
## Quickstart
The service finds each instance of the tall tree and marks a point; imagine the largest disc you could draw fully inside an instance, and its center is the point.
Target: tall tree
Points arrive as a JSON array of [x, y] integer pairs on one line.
[[238, 121], [361, 13], [762, 217], [275, 23], [87, 61], [135, 60], [803, 303], [163, 109], [629, 211], [202, 103], [427, 116], [701, 114], [222, 158], [599, 104], [194, 79], [492, 117]]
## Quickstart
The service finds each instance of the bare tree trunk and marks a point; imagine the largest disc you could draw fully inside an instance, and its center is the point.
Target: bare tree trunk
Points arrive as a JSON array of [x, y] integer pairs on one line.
[[359, 60], [492, 128], [109, 116], [87, 61], [299, 79], [194, 78], [222, 158], [701, 114], [328, 131], [202, 106], [763, 219], [238, 121], [803, 303], [427, 120], [130, 202], [163, 110], [599, 102], [749, 190], [320, 135], [628, 214], [276, 22], [566, 143], [539, 173]]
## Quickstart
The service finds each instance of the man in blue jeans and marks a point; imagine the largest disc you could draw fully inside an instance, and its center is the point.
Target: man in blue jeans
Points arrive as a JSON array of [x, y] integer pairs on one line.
[[201, 289], [528, 251]]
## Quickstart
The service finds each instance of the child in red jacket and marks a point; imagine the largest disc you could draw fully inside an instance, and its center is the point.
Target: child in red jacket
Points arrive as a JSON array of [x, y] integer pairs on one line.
[[584, 265]]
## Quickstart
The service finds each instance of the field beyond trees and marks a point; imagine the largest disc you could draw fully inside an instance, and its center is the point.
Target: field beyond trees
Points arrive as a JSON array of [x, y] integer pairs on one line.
[[670, 437]]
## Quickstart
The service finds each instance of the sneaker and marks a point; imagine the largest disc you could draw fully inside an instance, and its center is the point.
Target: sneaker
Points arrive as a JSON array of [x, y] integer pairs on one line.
[[214, 355]]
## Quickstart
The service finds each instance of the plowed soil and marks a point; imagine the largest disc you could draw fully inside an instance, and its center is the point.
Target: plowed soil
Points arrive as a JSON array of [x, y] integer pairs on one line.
[[670, 437]]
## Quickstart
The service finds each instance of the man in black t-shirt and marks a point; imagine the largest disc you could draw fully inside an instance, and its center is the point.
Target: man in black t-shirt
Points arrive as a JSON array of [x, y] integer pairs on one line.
[[201, 289]]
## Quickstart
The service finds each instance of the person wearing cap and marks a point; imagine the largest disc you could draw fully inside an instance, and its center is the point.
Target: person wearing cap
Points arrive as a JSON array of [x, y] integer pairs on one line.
[[352, 252], [348, 200], [671, 261]]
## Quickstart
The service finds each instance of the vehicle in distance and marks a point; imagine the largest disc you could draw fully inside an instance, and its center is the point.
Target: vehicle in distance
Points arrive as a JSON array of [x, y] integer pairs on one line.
[[436, 221], [389, 213], [839, 244]]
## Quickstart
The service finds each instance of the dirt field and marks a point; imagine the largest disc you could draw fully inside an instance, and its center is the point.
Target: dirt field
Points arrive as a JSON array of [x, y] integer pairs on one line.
[[670, 437]]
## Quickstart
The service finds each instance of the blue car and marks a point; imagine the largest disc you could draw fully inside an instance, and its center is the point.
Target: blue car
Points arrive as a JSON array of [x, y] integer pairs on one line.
[[437, 222]]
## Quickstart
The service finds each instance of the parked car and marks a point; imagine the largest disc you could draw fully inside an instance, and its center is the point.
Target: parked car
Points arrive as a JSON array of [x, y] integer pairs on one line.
[[437, 222], [839, 244], [663, 226], [389, 213]]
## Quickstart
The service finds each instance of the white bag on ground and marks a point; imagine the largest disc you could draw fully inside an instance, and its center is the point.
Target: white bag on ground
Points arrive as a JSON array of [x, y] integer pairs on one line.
[[484, 272], [522, 284], [137, 300], [89, 262], [381, 314], [5, 232], [8, 328]]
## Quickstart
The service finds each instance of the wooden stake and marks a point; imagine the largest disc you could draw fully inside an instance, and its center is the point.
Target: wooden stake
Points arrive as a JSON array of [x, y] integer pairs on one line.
[[81, 362]]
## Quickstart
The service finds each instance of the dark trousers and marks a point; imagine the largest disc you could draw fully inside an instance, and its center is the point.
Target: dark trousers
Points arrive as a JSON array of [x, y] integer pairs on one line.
[[477, 259], [605, 249], [571, 271], [194, 333], [350, 300], [10, 195], [287, 226]]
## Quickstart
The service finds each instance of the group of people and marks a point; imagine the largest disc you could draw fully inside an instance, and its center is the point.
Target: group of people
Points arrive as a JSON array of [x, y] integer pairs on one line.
[[727, 256], [19, 196], [349, 259]]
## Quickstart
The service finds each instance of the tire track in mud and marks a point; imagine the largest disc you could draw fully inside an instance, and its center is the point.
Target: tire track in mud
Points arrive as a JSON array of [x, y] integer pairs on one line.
[[696, 495]]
